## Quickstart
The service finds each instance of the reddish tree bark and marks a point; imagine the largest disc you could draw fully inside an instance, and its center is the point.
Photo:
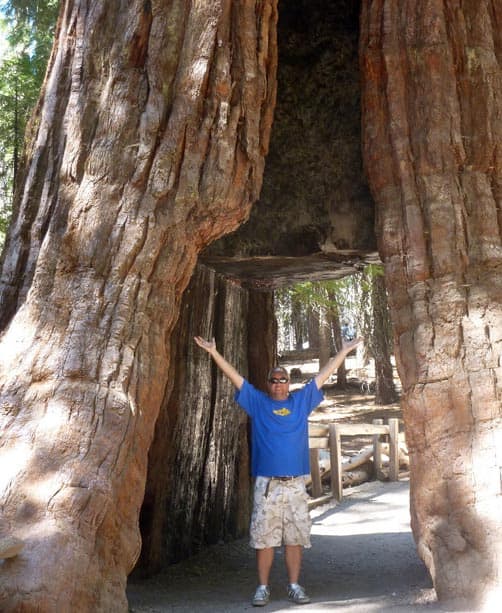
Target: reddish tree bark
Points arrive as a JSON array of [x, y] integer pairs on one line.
[[432, 132], [262, 337], [152, 128]]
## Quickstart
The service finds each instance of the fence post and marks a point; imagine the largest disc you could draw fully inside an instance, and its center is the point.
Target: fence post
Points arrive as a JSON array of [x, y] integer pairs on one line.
[[393, 449], [335, 454], [315, 473], [377, 451]]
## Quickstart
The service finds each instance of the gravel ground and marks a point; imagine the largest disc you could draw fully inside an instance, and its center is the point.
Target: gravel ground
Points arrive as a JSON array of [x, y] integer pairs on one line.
[[362, 560]]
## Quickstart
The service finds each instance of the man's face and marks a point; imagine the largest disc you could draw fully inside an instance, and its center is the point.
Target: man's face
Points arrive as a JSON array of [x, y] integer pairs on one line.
[[278, 385]]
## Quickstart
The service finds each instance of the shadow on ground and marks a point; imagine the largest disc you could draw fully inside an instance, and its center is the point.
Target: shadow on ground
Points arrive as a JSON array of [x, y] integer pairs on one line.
[[363, 560]]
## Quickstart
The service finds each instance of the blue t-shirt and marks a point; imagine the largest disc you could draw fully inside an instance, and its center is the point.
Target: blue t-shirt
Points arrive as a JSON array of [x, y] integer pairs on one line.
[[279, 429]]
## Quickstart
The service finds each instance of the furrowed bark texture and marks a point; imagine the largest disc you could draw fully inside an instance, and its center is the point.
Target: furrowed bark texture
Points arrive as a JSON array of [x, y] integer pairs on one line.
[[262, 334], [194, 476], [432, 79], [148, 143]]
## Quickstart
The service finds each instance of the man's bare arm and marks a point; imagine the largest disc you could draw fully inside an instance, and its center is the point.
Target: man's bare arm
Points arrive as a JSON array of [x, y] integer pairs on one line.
[[226, 368], [334, 363]]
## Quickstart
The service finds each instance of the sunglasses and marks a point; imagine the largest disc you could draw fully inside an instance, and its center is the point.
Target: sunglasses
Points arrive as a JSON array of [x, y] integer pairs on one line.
[[281, 380]]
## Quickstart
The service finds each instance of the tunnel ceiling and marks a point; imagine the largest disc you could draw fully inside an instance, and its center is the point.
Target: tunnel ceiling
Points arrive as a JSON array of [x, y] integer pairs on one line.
[[315, 216]]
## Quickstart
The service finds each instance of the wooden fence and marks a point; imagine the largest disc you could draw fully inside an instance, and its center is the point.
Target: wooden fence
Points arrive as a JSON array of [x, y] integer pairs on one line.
[[329, 436]]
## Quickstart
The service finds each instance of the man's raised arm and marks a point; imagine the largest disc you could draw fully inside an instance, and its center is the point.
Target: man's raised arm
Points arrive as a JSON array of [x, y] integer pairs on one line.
[[334, 363], [226, 368]]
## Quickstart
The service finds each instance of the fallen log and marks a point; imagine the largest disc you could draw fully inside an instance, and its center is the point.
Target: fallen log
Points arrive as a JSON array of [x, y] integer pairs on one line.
[[359, 458], [356, 477], [362, 458], [404, 459]]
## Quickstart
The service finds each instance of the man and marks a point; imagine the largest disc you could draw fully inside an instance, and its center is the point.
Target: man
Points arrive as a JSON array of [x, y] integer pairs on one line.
[[279, 463]]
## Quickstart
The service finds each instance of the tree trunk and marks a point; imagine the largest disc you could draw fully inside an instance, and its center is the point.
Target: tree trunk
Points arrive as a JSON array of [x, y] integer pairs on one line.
[[432, 132], [152, 127], [313, 328], [336, 331], [200, 439], [262, 337], [385, 390], [324, 337], [298, 323]]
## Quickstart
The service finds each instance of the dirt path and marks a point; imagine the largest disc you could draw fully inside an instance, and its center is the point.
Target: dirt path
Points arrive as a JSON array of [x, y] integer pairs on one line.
[[362, 560]]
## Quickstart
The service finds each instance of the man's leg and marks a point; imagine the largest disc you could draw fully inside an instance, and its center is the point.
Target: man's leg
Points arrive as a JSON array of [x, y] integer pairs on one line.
[[264, 559], [293, 558], [297, 524], [263, 523]]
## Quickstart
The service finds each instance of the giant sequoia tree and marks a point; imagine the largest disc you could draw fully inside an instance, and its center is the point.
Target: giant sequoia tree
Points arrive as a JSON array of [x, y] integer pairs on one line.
[[432, 83], [148, 143]]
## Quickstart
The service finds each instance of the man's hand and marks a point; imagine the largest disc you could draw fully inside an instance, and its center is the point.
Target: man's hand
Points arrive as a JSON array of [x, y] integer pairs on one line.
[[227, 369], [349, 345], [334, 363], [209, 346]]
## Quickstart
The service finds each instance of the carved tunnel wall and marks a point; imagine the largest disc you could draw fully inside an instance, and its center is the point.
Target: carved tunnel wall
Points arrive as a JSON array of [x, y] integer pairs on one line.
[[314, 220], [315, 206]]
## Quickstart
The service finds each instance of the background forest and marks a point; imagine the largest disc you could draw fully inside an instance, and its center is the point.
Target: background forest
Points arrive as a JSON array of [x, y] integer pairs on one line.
[[315, 319], [26, 35]]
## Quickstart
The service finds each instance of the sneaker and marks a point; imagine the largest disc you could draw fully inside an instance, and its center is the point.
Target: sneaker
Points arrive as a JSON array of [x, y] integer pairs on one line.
[[261, 596], [297, 594]]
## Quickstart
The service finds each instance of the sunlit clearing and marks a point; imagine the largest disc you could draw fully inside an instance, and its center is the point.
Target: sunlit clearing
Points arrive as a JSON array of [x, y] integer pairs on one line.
[[383, 506]]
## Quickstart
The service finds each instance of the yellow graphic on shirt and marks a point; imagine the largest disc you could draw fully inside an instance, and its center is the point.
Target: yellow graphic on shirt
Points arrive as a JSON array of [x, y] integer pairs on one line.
[[282, 412]]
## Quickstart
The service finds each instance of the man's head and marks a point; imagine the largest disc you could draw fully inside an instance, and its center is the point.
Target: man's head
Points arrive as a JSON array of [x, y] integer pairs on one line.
[[278, 383]]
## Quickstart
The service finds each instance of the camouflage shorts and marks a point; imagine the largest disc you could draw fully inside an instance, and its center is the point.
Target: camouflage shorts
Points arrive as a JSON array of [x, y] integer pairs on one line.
[[280, 513]]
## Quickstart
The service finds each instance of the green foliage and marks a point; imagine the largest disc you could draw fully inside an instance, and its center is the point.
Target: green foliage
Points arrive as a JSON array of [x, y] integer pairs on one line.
[[338, 298], [352, 299], [27, 30], [337, 295]]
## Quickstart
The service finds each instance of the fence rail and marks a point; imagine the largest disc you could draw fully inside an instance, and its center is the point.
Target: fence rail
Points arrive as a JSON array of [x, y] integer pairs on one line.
[[329, 436]]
